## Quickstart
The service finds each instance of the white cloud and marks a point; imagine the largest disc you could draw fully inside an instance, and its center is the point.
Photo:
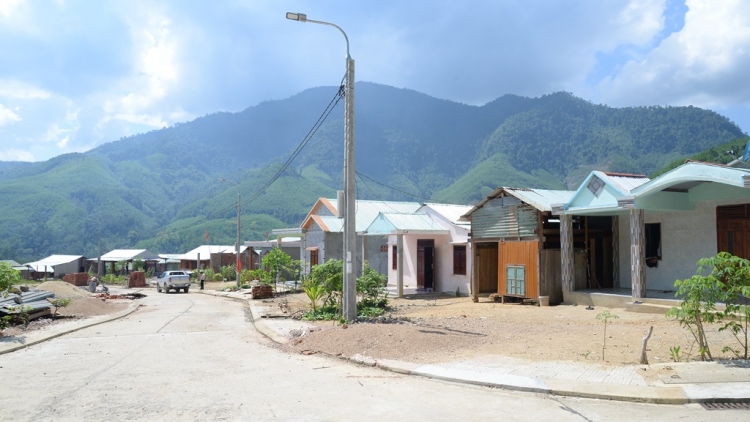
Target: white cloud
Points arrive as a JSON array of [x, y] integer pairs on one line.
[[20, 90], [7, 7], [15, 155], [7, 116], [641, 20], [704, 64]]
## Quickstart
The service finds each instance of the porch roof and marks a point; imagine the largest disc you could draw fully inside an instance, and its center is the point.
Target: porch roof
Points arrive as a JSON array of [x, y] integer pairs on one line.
[[599, 194], [541, 199], [676, 190], [404, 223]]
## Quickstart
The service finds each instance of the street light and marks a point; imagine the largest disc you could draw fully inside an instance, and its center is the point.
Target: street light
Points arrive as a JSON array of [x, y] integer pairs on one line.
[[350, 193], [237, 245]]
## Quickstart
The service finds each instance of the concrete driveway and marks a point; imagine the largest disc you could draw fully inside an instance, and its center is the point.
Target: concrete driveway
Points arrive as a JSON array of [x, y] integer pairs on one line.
[[198, 357]]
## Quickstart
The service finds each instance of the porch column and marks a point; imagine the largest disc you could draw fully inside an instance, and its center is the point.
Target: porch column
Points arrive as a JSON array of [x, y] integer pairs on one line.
[[638, 253], [616, 251], [566, 253], [400, 265], [303, 254], [474, 281], [364, 252]]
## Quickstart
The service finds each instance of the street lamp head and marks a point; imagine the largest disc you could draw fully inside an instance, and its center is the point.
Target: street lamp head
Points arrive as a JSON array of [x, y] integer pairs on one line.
[[296, 16]]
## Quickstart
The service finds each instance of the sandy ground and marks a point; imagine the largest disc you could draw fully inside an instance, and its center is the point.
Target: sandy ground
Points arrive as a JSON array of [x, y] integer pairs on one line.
[[441, 328]]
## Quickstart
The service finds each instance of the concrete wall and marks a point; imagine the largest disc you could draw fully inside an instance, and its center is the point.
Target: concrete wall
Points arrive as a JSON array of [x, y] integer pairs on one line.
[[378, 260], [686, 237]]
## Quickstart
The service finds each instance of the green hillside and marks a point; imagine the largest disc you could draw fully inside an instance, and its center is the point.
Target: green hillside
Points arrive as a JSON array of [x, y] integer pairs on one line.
[[721, 154], [161, 189]]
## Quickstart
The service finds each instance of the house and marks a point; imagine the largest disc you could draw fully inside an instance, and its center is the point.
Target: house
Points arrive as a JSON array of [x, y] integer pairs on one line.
[[216, 256], [428, 248], [515, 241], [289, 245], [322, 235], [114, 256], [57, 265], [660, 227]]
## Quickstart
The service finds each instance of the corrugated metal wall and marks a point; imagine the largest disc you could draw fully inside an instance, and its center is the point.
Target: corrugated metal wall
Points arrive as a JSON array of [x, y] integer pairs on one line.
[[504, 218], [524, 253]]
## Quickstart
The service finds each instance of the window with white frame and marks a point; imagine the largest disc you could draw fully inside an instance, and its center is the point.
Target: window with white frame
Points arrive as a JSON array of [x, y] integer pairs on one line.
[[515, 280]]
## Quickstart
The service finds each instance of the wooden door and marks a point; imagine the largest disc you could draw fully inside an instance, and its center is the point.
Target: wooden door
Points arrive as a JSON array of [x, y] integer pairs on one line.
[[425, 264], [733, 230], [487, 264], [313, 258]]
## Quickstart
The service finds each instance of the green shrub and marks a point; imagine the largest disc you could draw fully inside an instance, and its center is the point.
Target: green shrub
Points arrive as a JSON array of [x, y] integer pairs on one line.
[[8, 277], [228, 272], [218, 277], [371, 287]]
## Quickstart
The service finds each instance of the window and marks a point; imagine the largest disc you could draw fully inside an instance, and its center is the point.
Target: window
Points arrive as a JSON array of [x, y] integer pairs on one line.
[[515, 280], [653, 241], [395, 257], [459, 260]]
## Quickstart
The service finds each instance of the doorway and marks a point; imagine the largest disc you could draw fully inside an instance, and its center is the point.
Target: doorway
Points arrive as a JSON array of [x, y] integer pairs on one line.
[[487, 265], [426, 264]]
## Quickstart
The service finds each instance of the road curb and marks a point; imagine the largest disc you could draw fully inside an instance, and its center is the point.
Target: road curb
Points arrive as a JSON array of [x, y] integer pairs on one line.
[[12, 347]]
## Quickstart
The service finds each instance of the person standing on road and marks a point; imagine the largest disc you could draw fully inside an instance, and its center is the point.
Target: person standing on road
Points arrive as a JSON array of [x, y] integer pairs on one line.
[[203, 279]]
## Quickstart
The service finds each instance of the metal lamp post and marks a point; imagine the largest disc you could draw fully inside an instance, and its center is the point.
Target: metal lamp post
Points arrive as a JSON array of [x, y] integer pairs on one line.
[[350, 193], [237, 245]]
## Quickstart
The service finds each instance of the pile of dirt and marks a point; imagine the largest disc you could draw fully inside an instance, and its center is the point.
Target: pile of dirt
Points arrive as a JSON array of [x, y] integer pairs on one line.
[[91, 306], [63, 290]]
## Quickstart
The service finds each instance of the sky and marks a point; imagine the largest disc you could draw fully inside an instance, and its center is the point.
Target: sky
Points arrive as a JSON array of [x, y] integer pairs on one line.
[[79, 73]]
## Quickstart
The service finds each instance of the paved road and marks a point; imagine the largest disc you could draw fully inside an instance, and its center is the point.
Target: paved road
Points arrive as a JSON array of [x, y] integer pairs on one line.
[[197, 357]]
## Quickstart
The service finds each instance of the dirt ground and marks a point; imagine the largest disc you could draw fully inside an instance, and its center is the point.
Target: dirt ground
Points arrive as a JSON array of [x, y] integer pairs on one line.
[[442, 328], [82, 305]]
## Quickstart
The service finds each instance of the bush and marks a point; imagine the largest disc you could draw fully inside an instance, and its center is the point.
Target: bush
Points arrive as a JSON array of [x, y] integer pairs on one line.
[[371, 286], [8, 277], [218, 277], [228, 272]]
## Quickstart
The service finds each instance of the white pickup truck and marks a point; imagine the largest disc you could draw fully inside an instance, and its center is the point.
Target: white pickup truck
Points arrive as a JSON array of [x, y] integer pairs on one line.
[[173, 280]]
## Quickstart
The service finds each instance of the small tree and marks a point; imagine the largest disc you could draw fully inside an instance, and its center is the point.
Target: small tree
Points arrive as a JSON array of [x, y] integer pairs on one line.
[[605, 316], [727, 283], [371, 286], [138, 264], [314, 290], [277, 262], [8, 277], [331, 276]]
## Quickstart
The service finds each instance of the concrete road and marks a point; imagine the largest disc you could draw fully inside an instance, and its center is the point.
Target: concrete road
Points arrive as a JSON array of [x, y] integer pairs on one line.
[[195, 357]]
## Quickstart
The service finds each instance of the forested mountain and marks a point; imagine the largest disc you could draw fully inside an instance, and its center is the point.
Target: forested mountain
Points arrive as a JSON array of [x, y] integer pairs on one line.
[[161, 189]]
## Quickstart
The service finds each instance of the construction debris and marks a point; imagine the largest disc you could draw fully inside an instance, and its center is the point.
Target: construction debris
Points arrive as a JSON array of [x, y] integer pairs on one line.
[[34, 303], [131, 296]]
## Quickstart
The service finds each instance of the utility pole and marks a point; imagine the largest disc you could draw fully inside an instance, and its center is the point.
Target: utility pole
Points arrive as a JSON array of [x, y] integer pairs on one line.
[[238, 264], [99, 260], [350, 189]]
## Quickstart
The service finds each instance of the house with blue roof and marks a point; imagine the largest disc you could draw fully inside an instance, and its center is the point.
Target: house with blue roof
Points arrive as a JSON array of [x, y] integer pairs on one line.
[[660, 228]]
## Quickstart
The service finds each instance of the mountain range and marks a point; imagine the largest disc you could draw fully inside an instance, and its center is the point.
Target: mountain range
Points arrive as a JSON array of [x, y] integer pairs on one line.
[[161, 190]]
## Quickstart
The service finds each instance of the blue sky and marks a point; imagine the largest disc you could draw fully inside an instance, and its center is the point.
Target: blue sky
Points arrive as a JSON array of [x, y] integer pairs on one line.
[[79, 73]]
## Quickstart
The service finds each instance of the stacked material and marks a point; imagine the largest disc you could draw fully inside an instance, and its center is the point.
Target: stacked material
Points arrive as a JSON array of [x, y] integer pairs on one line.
[[77, 279], [261, 291], [34, 302], [136, 279]]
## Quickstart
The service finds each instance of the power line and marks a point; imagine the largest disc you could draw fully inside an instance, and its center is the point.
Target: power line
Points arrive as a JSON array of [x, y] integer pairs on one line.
[[321, 119]]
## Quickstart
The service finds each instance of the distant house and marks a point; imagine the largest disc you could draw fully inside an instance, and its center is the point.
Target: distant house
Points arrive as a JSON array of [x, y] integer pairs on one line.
[[57, 265], [322, 236], [168, 262], [217, 256], [289, 245], [112, 257], [660, 228], [515, 240], [431, 244]]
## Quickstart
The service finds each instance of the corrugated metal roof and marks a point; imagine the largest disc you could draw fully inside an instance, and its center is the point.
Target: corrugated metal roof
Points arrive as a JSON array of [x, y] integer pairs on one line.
[[52, 261], [206, 250], [128, 254], [623, 182], [541, 199], [367, 211], [451, 212], [417, 222]]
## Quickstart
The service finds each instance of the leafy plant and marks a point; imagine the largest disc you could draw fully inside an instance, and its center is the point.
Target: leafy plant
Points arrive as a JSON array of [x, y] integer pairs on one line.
[[209, 273], [605, 317], [218, 277], [137, 264], [314, 290], [150, 272], [59, 303], [331, 276], [371, 286], [8, 277], [229, 272], [121, 266], [674, 353], [728, 283]]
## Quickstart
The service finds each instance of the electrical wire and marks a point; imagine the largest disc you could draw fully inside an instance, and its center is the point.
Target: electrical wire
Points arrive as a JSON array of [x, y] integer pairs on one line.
[[321, 119]]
